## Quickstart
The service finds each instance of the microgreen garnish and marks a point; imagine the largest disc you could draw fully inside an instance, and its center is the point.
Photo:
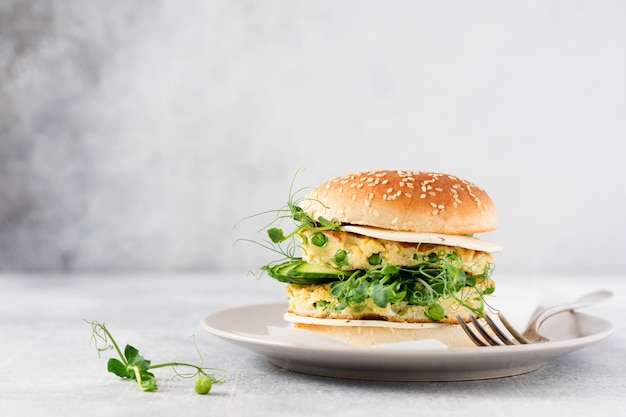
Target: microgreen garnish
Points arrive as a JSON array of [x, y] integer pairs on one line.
[[284, 243], [436, 275], [132, 365]]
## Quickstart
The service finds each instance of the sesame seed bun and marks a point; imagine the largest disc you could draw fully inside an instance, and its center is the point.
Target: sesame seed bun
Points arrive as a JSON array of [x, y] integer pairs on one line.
[[412, 201]]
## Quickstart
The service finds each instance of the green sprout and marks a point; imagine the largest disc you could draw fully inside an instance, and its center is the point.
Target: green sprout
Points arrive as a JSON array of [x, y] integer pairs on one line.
[[131, 365], [436, 275], [285, 243]]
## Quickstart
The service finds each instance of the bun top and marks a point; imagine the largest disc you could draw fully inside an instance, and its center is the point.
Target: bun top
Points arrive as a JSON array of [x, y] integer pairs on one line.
[[412, 201]]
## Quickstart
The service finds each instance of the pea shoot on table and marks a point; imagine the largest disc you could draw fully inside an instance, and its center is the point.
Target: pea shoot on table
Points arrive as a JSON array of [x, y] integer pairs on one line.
[[132, 365]]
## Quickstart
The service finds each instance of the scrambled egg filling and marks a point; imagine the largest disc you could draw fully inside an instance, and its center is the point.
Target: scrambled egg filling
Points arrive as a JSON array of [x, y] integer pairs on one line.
[[349, 251]]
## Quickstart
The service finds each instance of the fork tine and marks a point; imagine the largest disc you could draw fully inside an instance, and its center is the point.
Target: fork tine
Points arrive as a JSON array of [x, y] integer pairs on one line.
[[517, 335], [483, 333], [477, 340], [498, 331]]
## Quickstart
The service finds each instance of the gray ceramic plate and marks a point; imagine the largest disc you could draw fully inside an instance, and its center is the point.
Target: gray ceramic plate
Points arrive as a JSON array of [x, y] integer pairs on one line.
[[248, 327]]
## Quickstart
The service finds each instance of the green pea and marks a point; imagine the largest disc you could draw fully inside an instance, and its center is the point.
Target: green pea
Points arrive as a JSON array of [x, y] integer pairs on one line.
[[435, 312], [340, 258], [319, 239], [203, 384], [374, 259]]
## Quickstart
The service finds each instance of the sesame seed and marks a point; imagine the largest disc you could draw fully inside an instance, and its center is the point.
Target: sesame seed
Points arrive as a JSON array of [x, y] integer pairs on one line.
[[394, 221], [354, 197], [434, 213], [433, 204], [367, 203], [389, 190], [422, 195]]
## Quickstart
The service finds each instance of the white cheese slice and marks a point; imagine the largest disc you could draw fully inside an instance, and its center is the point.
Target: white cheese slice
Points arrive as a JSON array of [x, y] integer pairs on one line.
[[292, 318], [467, 242]]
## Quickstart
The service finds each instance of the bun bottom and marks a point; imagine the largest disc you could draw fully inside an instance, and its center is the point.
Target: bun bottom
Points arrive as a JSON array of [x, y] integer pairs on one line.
[[452, 335]]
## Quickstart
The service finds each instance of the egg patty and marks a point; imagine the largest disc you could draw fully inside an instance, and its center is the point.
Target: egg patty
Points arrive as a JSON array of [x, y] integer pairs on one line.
[[350, 251], [317, 301]]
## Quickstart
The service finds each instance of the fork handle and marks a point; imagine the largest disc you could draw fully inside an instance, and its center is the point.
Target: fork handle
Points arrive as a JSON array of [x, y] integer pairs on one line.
[[584, 301]]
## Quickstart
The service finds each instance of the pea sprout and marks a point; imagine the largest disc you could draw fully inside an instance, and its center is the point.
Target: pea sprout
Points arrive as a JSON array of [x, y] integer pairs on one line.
[[132, 365], [285, 243]]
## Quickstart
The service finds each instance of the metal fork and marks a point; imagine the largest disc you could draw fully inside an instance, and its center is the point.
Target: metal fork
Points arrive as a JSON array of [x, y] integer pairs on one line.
[[482, 337]]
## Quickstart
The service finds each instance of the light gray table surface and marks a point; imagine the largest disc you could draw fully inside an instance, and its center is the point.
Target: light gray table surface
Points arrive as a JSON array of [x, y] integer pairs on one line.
[[47, 367]]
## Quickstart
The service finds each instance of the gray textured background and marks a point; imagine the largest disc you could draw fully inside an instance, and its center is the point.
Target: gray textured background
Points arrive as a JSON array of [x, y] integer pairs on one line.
[[134, 135]]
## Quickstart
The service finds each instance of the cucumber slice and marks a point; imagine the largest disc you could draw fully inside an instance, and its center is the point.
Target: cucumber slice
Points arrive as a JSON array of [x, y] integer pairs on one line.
[[306, 269], [301, 272], [286, 268]]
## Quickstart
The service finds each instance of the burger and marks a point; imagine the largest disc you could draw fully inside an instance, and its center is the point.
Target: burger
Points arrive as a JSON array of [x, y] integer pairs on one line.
[[388, 256]]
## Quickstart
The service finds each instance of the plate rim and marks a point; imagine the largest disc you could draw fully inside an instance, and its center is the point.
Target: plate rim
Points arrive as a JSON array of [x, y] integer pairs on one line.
[[399, 364], [233, 335]]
